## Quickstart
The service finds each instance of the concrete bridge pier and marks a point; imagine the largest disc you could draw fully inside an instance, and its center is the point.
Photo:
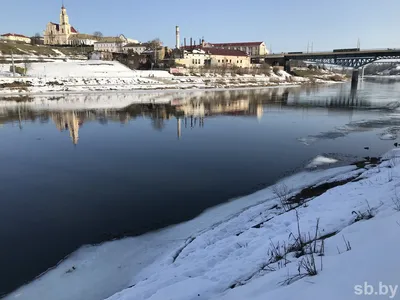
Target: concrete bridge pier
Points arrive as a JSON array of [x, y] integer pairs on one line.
[[354, 79], [287, 66]]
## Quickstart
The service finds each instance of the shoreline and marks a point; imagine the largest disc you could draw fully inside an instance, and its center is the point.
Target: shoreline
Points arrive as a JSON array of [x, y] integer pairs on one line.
[[171, 88], [176, 240]]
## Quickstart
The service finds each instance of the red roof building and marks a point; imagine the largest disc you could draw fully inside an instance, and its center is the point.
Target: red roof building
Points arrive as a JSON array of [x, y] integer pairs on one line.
[[251, 48], [15, 37]]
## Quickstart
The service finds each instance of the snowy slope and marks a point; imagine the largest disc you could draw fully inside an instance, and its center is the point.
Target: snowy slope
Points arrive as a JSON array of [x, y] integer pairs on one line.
[[235, 252], [88, 69]]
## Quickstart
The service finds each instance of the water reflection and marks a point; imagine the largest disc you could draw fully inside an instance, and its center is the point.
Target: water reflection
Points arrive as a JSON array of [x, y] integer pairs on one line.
[[190, 109]]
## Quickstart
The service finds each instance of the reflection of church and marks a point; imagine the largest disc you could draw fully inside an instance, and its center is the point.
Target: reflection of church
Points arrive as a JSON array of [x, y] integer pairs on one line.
[[68, 121]]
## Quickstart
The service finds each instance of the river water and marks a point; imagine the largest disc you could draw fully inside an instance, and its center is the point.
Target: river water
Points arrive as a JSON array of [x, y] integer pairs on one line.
[[82, 169]]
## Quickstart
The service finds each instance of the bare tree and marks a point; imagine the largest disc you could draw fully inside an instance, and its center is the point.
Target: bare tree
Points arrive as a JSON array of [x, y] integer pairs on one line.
[[155, 43], [98, 34]]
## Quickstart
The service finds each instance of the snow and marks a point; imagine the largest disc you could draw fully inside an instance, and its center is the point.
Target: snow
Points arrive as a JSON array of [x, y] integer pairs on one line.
[[87, 69], [321, 160], [97, 75], [58, 52], [387, 136]]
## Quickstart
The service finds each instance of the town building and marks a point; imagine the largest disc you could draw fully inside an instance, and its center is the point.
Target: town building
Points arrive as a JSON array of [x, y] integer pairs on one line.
[[110, 44], [213, 57], [15, 37], [193, 58], [251, 48], [37, 40], [135, 48], [81, 39], [230, 58]]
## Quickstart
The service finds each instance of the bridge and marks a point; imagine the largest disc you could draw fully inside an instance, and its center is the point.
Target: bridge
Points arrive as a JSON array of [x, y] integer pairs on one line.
[[350, 58]]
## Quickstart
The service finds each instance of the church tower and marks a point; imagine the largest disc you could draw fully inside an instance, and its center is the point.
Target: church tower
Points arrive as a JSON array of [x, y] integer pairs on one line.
[[65, 27]]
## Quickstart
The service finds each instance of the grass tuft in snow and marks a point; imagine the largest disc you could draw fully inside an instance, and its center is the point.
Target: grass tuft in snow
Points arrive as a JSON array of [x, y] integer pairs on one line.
[[282, 191], [347, 244], [365, 215], [396, 201], [307, 264], [306, 267]]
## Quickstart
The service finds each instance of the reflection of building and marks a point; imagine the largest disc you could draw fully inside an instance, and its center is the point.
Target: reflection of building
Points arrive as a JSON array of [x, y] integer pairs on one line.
[[68, 121]]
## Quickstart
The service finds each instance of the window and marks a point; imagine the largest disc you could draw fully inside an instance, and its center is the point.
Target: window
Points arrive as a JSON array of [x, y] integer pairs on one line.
[[240, 61], [219, 60], [193, 61], [230, 60]]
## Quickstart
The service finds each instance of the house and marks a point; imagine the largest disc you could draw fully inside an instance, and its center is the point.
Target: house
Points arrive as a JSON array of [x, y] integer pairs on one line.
[[110, 44], [37, 40], [59, 34], [193, 58], [226, 57], [251, 48], [135, 48], [216, 57], [81, 39], [15, 37]]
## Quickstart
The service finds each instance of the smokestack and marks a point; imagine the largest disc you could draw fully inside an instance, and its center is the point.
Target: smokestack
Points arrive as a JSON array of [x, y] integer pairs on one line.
[[178, 38], [184, 42], [191, 42]]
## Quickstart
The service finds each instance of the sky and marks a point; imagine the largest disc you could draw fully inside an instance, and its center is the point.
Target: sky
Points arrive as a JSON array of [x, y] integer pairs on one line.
[[284, 25]]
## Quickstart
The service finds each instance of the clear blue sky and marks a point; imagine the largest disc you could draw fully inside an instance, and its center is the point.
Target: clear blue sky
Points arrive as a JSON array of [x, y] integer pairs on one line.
[[287, 25]]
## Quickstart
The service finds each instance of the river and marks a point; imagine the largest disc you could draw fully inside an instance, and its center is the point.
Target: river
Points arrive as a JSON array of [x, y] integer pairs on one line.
[[83, 169]]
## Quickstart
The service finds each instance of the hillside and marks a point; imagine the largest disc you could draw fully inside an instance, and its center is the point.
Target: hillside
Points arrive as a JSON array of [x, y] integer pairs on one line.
[[23, 52]]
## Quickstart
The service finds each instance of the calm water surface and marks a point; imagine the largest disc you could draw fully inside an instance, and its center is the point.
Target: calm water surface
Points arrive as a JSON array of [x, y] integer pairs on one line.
[[71, 177]]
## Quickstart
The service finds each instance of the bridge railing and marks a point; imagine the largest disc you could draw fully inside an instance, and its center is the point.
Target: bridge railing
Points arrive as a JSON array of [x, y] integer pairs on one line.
[[331, 51]]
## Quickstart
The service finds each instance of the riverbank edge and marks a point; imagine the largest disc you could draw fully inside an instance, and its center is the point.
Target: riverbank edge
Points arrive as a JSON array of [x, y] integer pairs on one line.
[[95, 89]]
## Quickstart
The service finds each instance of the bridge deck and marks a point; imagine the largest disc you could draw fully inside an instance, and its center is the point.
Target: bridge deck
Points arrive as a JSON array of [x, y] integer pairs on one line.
[[355, 54]]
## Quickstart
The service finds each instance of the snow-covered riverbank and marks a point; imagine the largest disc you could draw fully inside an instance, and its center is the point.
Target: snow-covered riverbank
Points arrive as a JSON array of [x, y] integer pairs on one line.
[[247, 248], [100, 76]]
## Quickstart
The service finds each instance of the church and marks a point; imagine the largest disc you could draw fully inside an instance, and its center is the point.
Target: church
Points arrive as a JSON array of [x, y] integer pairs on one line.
[[59, 34]]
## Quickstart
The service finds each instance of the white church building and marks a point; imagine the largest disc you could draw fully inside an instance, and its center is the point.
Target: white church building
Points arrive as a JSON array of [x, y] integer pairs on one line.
[[59, 34]]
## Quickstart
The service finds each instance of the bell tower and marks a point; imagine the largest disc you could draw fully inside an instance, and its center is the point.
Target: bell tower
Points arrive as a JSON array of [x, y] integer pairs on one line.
[[64, 20], [65, 27]]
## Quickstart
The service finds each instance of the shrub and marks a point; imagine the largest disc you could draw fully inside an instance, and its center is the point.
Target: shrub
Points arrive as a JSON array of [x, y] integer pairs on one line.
[[18, 70]]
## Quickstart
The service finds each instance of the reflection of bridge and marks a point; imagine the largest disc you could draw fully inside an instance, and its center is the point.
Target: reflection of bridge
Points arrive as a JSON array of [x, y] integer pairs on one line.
[[349, 58]]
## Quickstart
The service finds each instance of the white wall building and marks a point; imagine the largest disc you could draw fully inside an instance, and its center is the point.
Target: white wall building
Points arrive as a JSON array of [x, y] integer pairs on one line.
[[15, 37], [109, 46], [135, 48]]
